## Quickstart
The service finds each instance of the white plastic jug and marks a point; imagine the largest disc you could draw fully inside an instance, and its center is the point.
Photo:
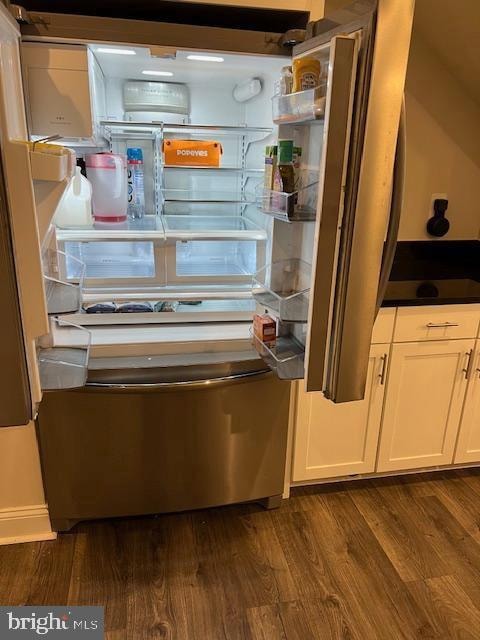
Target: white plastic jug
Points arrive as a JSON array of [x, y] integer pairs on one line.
[[108, 174], [75, 208]]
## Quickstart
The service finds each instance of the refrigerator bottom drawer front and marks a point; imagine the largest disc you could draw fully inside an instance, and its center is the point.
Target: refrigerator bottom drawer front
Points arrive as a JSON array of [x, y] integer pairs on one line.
[[115, 452]]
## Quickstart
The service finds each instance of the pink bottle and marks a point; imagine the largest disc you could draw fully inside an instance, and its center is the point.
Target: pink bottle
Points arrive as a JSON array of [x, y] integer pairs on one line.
[[107, 173]]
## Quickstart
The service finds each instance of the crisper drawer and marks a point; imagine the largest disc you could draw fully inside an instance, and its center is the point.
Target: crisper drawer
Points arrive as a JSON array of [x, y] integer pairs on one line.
[[118, 262], [437, 322], [212, 261]]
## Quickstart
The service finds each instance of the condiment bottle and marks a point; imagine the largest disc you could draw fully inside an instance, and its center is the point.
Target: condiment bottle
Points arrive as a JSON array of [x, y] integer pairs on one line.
[[306, 73]]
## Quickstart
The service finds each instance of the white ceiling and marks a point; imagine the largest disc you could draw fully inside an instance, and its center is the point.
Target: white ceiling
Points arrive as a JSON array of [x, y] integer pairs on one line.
[[234, 69]]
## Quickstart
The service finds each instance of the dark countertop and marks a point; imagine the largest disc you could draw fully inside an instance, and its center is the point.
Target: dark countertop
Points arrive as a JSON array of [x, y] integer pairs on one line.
[[434, 272]]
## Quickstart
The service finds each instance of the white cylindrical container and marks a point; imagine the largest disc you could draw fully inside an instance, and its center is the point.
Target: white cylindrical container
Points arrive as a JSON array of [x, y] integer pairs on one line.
[[108, 174]]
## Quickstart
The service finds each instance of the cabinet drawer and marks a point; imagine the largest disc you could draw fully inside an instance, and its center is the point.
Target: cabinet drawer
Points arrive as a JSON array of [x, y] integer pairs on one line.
[[436, 322], [383, 327]]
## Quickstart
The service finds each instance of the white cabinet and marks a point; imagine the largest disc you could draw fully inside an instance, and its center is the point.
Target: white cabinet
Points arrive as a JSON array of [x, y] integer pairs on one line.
[[426, 388], [468, 444], [436, 322], [340, 439]]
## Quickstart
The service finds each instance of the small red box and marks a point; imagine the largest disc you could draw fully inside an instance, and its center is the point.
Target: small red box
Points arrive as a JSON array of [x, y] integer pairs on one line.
[[265, 329]]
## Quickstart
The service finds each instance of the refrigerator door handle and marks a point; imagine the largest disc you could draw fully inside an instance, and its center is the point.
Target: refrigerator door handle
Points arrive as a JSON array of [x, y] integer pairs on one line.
[[398, 189]]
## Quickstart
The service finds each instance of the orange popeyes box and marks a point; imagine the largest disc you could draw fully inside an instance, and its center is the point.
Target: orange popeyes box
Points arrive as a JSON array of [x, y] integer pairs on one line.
[[192, 153]]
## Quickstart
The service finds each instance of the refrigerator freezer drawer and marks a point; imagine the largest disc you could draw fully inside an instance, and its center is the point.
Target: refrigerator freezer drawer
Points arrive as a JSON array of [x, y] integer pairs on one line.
[[116, 452]]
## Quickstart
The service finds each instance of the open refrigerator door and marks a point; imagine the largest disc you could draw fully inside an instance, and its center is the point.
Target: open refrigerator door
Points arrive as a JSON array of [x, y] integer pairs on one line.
[[34, 177], [333, 224]]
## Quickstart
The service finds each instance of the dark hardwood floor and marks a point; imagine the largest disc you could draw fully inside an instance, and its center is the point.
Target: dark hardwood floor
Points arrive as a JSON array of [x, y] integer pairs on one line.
[[383, 559]]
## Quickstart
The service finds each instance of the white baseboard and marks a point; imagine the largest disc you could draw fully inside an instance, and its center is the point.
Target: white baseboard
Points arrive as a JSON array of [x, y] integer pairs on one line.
[[25, 524]]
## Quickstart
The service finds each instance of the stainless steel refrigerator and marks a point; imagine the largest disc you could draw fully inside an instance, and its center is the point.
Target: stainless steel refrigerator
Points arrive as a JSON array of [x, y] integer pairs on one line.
[[159, 411]]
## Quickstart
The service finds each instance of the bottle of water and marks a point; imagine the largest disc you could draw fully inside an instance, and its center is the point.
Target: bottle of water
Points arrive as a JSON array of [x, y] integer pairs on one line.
[[136, 194]]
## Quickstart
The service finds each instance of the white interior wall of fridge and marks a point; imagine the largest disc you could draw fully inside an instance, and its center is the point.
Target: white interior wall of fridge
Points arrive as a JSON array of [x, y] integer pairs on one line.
[[120, 269]]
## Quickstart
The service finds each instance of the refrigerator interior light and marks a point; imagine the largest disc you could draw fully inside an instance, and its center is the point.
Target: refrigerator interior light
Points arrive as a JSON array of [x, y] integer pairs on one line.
[[147, 72], [118, 52], [204, 58]]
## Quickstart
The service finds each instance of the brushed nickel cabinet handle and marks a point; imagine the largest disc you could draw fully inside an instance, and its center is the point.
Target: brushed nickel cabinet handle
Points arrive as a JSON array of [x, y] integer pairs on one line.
[[441, 325], [466, 371], [383, 372]]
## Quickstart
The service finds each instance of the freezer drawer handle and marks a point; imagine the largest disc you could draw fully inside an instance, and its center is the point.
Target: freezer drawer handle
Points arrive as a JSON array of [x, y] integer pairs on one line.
[[441, 325], [187, 384]]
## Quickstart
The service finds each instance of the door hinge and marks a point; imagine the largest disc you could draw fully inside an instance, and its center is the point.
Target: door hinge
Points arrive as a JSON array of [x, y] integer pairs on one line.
[[20, 14], [292, 37]]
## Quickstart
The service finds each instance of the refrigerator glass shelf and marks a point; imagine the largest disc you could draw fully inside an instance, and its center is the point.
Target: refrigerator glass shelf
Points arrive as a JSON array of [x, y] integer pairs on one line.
[[286, 357], [206, 197], [299, 206], [190, 226], [227, 130], [300, 107], [284, 288], [150, 226], [231, 170]]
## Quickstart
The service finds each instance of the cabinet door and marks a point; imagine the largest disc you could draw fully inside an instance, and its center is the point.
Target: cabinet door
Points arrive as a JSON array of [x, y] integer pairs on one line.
[[426, 388], [468, 445], [340, 439]]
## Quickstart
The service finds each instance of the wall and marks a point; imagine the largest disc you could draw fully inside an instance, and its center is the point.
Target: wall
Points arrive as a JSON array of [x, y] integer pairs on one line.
[[443, 147], [443, 116], [23, 513]]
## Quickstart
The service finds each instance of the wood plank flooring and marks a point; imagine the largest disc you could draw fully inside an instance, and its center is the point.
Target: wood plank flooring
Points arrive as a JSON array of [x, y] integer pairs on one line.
[[383, 559]]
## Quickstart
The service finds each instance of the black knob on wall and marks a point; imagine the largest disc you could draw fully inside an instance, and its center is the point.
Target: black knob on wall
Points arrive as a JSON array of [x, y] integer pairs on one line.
[[439, 225]]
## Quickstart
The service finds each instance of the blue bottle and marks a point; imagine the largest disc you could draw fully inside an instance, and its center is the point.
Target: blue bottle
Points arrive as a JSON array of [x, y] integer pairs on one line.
[[136, 193]]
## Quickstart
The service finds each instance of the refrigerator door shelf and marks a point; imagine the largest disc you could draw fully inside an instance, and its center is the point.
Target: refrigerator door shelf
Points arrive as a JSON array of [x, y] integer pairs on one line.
[[63, 363], [52, 170], [299, 206], [284, 288], [63, 368], [51, 163], [286, 357], [300, 107], [63, 297]]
